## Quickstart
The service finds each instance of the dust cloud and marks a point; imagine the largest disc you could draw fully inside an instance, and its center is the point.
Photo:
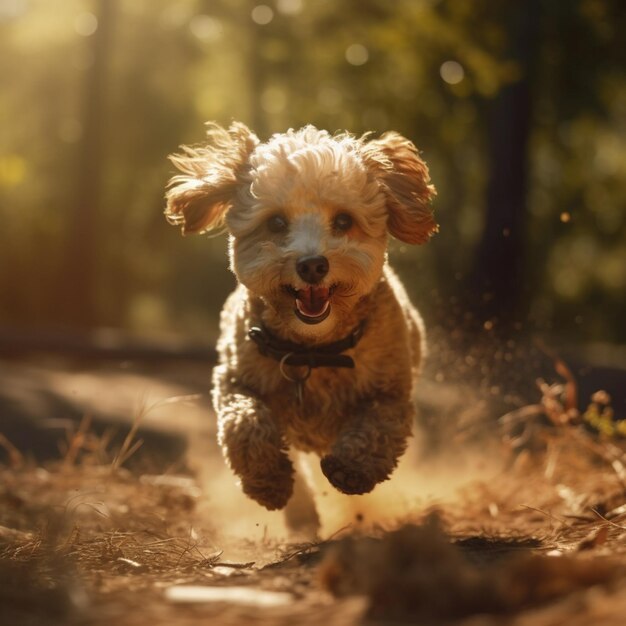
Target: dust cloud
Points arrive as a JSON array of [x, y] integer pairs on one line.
[[416, 486]]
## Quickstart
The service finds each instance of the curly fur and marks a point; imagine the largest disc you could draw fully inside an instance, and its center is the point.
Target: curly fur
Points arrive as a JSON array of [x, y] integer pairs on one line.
[[357, 420]]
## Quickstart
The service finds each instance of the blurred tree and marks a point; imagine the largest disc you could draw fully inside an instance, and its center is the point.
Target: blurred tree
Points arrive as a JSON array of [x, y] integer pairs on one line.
[[497, 282], [578, 190], [538, 150], [78, 282]]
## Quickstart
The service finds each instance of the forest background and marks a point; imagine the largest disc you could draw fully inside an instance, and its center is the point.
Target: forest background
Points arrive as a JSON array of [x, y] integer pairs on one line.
[[518, 107]]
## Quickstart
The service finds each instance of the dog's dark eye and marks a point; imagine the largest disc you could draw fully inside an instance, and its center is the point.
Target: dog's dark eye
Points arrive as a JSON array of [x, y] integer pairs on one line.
[[343, 222], [277, 223]]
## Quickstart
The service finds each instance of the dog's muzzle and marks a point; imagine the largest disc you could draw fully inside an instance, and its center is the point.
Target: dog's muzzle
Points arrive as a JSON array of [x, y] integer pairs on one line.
[[312, 303]]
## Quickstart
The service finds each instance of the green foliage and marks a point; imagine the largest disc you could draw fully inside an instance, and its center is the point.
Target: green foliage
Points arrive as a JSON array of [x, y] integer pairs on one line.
[[428, 69], [600, 417]]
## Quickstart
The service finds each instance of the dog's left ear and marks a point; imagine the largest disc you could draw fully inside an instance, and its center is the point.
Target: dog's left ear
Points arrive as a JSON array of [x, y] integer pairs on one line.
[[404, 177], [199, 198]]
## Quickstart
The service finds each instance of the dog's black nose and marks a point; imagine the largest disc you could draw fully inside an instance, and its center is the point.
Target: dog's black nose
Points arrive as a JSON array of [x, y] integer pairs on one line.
[[312, 268]]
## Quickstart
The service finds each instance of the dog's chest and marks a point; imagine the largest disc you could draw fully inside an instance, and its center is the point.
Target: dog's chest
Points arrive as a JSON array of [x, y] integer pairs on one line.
[[312, 416]]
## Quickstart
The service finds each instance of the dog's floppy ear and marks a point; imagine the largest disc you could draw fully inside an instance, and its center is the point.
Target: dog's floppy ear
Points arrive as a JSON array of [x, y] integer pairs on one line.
[[404, 178], [199, 198]]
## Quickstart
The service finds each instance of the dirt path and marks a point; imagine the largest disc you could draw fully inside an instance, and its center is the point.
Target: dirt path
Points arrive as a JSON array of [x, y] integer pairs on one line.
[[534, 535]]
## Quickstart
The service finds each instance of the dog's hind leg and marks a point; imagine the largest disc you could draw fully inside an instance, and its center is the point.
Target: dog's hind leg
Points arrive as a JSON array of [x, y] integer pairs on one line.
[[301, 517]]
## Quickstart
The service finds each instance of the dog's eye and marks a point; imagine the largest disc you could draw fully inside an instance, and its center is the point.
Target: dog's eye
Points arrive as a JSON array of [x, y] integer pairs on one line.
[[343, 222], [277, 223]]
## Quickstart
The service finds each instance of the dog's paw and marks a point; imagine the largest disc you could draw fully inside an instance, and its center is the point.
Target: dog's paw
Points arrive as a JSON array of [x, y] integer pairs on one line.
[[346, 478], [272, 497], [272, 491]]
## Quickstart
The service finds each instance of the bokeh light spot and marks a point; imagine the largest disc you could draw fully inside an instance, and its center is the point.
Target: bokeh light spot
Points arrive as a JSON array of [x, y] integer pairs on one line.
[[86, 24], [12, 170], [262, 14], [565, 217], [290, 7], [205, 28], [357, 54], [10, 9], [452, 72]]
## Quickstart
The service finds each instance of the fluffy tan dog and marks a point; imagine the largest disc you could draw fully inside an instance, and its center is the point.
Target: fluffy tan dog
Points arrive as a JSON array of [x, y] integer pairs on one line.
[[320, 347]]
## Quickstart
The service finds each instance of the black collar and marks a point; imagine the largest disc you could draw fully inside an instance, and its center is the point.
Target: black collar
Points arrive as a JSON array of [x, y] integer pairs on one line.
[[290, 353]]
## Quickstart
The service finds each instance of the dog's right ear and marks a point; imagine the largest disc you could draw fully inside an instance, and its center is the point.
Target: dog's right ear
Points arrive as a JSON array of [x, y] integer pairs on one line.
[[199, 198]]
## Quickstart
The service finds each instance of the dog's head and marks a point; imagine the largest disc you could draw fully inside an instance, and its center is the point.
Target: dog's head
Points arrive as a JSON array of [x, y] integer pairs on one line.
[[308, 214]]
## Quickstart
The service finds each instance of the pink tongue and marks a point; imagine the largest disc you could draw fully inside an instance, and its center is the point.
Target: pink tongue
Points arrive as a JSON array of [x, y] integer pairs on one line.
[[313, 300]]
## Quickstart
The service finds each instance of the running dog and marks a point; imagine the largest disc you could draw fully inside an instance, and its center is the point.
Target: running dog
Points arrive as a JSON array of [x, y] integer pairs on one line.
[[320, 347]]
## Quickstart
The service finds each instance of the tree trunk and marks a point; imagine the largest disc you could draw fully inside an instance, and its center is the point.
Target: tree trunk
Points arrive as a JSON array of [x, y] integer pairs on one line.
[[497, 279], [79, 279]]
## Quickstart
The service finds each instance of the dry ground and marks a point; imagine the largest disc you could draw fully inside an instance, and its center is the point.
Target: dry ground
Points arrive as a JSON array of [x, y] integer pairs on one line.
[[519, 523]]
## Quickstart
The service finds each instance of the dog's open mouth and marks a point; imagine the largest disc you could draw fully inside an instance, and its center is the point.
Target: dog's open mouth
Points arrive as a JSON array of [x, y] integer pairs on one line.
[[312, 303]]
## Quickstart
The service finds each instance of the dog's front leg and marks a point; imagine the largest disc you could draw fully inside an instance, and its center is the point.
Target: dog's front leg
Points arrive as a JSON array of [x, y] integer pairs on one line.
[[369, 446], [252, 444]]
